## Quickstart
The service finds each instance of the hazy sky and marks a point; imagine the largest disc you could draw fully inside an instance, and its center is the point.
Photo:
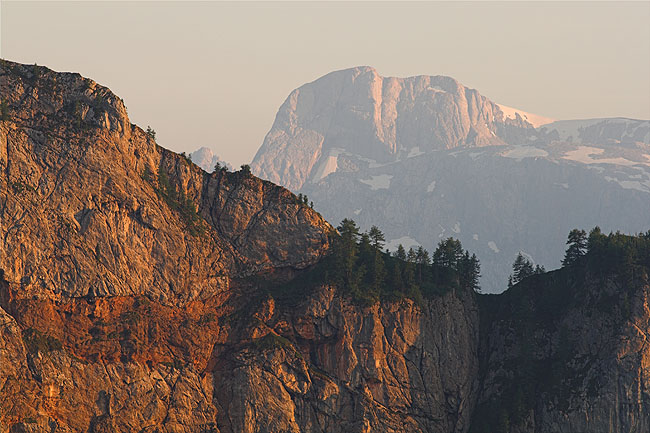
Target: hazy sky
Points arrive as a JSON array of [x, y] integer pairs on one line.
[[214, 74]]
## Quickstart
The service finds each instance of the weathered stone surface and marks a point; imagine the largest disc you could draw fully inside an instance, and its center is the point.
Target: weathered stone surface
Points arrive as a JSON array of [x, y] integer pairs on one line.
[[340, 368], [79, 220], [120, 314]]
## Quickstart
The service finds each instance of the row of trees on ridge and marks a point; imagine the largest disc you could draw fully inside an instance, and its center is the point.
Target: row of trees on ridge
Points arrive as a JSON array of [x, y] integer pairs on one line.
[[364, 269]]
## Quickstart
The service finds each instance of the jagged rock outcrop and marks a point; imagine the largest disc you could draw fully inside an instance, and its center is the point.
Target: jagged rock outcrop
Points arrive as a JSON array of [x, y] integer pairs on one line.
[[83, 213], [425, 158], [141, 294]]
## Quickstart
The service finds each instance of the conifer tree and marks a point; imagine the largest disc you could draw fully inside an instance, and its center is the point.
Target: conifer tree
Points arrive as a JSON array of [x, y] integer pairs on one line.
[[577, 242], [423, 262], [378, 271], [347, 252], [400, 253], [470, 271], [376, 238], [448, 253], [409, 268], [151, 133], [366, 251], [521, 268], [397, 283], [245, 170]]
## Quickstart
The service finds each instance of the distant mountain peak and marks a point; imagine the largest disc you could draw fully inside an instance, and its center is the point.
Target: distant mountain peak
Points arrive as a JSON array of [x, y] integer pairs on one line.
[[382, 119], [205, 158]]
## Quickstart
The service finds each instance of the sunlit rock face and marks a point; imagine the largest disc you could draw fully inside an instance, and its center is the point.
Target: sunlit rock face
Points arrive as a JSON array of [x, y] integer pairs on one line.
[[124, 307], [374, 117], [82, 185], [425, 158], [139, 293]]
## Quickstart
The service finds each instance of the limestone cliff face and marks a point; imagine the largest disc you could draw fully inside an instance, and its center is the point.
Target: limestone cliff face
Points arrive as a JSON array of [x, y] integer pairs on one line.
[[380, 118], [323, 365], [83, 215], [335, 367], [141, 294], [128, 296]]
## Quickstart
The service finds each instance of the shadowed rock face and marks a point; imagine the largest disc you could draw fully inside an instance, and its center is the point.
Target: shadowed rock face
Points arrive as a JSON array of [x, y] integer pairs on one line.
[[123, 310], [565, 351]]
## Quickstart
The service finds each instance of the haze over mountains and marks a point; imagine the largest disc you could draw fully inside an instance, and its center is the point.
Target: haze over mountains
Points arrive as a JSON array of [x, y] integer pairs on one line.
[[426, 158]]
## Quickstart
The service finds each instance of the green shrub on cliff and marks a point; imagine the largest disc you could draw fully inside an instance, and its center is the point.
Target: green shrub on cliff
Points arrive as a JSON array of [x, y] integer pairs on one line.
[[176, 200]]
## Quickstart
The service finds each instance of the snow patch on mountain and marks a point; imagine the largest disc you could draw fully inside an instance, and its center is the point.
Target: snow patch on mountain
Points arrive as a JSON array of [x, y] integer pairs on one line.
[[328, 166], [630, 184], [381, 181], [493, 246], [583, 154], [521, 152], [406, 241], [431, 186], [534, 119], [436, 89]]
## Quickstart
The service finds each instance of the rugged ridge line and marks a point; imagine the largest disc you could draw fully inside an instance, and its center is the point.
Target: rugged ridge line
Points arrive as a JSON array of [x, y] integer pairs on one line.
[[73, 197], [141, 294]]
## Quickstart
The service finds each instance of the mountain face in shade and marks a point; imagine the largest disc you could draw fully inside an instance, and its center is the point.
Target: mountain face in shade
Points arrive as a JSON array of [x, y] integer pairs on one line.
[[425, 158], [139, 293]]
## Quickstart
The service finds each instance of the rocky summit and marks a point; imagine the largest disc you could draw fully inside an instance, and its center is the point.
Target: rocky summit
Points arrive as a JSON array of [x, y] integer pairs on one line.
[[139, 293], [426, 158]]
